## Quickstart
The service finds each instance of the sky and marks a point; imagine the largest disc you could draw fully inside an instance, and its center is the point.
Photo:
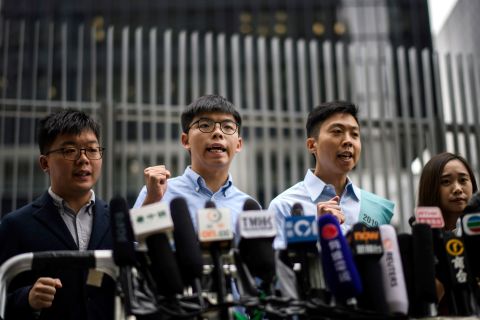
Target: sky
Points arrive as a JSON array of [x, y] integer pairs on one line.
[[439, 11]]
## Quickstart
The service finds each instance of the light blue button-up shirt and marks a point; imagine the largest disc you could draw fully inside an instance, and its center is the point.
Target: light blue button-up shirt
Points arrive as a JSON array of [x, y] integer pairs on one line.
[[193, 188], [309, 193]]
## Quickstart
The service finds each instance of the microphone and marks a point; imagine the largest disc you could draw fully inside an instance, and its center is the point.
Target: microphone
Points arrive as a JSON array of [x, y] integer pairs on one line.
[[216, 234], [405, 245], [122, 232], [187, 247], [446, 247], [367, 249], [471, 239], [392, 272], [151, 224], [341, 274], [257, 230], [460, 277], [424, 291], [302, 236], [123, 248]]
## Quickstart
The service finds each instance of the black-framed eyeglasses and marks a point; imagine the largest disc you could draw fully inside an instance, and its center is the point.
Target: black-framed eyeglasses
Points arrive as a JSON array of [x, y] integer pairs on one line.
[[206, 125], [74, 153]]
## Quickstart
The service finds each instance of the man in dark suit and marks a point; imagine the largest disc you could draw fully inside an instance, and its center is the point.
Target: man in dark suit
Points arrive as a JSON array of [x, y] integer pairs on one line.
[[67, 216]]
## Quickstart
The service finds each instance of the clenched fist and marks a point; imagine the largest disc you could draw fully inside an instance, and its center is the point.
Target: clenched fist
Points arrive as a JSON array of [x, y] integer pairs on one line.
[[156, 183]]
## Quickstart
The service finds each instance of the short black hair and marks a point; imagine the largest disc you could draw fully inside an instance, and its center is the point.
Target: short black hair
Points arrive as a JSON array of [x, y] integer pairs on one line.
[[207, 104], [324, 111], [66, 121]]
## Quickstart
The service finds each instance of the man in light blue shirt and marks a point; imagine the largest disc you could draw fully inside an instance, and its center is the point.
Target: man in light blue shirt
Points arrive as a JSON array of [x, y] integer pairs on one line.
[[333, 137], [211, 134]]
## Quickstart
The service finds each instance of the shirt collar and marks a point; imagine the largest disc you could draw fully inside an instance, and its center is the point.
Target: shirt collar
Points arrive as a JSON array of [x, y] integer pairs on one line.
[[199, 183], [60, 202], [315, 186]]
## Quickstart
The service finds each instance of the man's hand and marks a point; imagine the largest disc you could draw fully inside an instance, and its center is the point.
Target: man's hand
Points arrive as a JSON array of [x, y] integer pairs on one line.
[[156, 183], [42, 293], [331, 206]]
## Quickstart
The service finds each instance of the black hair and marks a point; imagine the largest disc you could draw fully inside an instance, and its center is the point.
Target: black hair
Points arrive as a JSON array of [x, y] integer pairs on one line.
[[324, 111], [430, 179], [207, 104], [66, 121]]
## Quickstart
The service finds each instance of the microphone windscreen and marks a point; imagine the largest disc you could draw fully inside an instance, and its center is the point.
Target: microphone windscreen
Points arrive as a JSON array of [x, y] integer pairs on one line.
[[164, 267], [297, 209], [258, 253], [122, 232], [473, 204], [341, 274], [411, 221], [392, 272], [251, 204], [188, 252], [424, 266], [210, 204], [405, 245]]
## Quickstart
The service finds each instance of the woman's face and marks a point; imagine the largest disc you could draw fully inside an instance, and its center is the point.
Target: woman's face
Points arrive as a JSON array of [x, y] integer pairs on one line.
[[455, 188]]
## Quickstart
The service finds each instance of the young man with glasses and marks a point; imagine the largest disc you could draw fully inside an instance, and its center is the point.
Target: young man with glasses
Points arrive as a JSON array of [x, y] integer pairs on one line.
[[211, 135], [68, 216]]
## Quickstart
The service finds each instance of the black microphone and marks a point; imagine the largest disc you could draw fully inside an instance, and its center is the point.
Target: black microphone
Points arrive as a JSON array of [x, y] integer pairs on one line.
[[164, 266], [471, 239], [123, 248], [424, 293], [187, 247], [458, 294], [257, 230], [302, 238], [122, 232], [461, 294], [367, 249]]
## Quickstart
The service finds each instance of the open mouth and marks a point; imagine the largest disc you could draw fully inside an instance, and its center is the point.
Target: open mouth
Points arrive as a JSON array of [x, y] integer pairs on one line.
[[82, 174], [347, 155], [216, 149]]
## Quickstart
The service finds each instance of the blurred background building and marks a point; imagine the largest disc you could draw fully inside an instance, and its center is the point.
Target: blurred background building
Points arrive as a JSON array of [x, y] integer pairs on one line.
[[136, 64]]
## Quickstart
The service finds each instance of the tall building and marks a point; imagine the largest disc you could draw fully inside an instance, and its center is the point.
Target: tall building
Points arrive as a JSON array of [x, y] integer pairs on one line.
[[136, 64]]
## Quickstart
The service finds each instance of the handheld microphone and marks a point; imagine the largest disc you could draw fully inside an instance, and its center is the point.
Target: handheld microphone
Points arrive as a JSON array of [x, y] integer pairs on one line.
[[123, 248], [460, 277], [425, 298], [187, 247], [216, 234], [122, 232], [405, 245], [151, 224], [302, 237], [367, 249], [257, 230], [392, 272], [457, 293], [471, 233], [341, 274], [471, 239]]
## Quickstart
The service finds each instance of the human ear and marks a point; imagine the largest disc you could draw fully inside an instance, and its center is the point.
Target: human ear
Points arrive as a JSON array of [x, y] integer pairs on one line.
[[43, 161]]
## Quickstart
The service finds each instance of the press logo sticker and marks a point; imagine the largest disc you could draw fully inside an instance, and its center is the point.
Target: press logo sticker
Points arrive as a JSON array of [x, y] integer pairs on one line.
[[471, 224], [431, 216]]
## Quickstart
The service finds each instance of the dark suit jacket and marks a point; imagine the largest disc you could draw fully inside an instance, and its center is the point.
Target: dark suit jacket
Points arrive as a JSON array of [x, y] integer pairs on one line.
[[39, 227]]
